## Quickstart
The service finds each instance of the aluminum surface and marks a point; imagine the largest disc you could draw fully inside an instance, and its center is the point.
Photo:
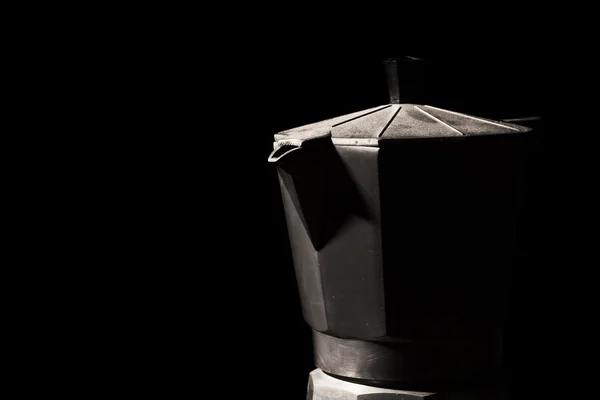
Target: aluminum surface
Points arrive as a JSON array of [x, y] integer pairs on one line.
[[325, 387], [404, 121]]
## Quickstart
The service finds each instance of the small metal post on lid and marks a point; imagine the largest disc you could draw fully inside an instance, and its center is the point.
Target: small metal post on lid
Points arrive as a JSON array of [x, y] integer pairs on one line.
[[405, 78]]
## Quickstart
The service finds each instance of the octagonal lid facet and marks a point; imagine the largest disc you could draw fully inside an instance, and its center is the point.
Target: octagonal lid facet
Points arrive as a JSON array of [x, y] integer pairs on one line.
[[404, 121]]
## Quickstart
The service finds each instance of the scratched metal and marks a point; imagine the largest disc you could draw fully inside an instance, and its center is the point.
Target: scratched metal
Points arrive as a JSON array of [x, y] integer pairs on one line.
[[412, 122], [371, 125], [325, 387], [403, 121], [335, 121], [470, 125]]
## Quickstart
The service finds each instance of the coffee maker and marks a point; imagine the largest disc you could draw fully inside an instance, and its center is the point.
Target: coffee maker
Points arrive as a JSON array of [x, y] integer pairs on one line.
[[401, 221]]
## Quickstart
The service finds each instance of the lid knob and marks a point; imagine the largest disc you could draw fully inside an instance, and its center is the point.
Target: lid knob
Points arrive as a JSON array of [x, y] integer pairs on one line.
[[405, 78]]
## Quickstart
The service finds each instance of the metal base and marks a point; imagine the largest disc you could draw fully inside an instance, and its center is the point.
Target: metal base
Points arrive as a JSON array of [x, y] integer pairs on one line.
[[418, 365], [325, 387]]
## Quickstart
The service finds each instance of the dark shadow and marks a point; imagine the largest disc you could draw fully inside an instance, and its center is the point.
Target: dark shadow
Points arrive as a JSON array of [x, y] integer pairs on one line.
[[322, 190], [451, 207]]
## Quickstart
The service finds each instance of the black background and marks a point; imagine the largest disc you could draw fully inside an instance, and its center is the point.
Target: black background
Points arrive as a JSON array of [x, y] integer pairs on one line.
[[175, 277]]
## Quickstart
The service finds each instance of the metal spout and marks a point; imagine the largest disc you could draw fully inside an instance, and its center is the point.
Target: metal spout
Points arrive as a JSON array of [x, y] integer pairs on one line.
[[285, 145], [316, 185]]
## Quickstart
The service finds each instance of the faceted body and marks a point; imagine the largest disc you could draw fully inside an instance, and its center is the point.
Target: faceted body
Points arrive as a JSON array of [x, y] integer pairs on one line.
[[402, 226]]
